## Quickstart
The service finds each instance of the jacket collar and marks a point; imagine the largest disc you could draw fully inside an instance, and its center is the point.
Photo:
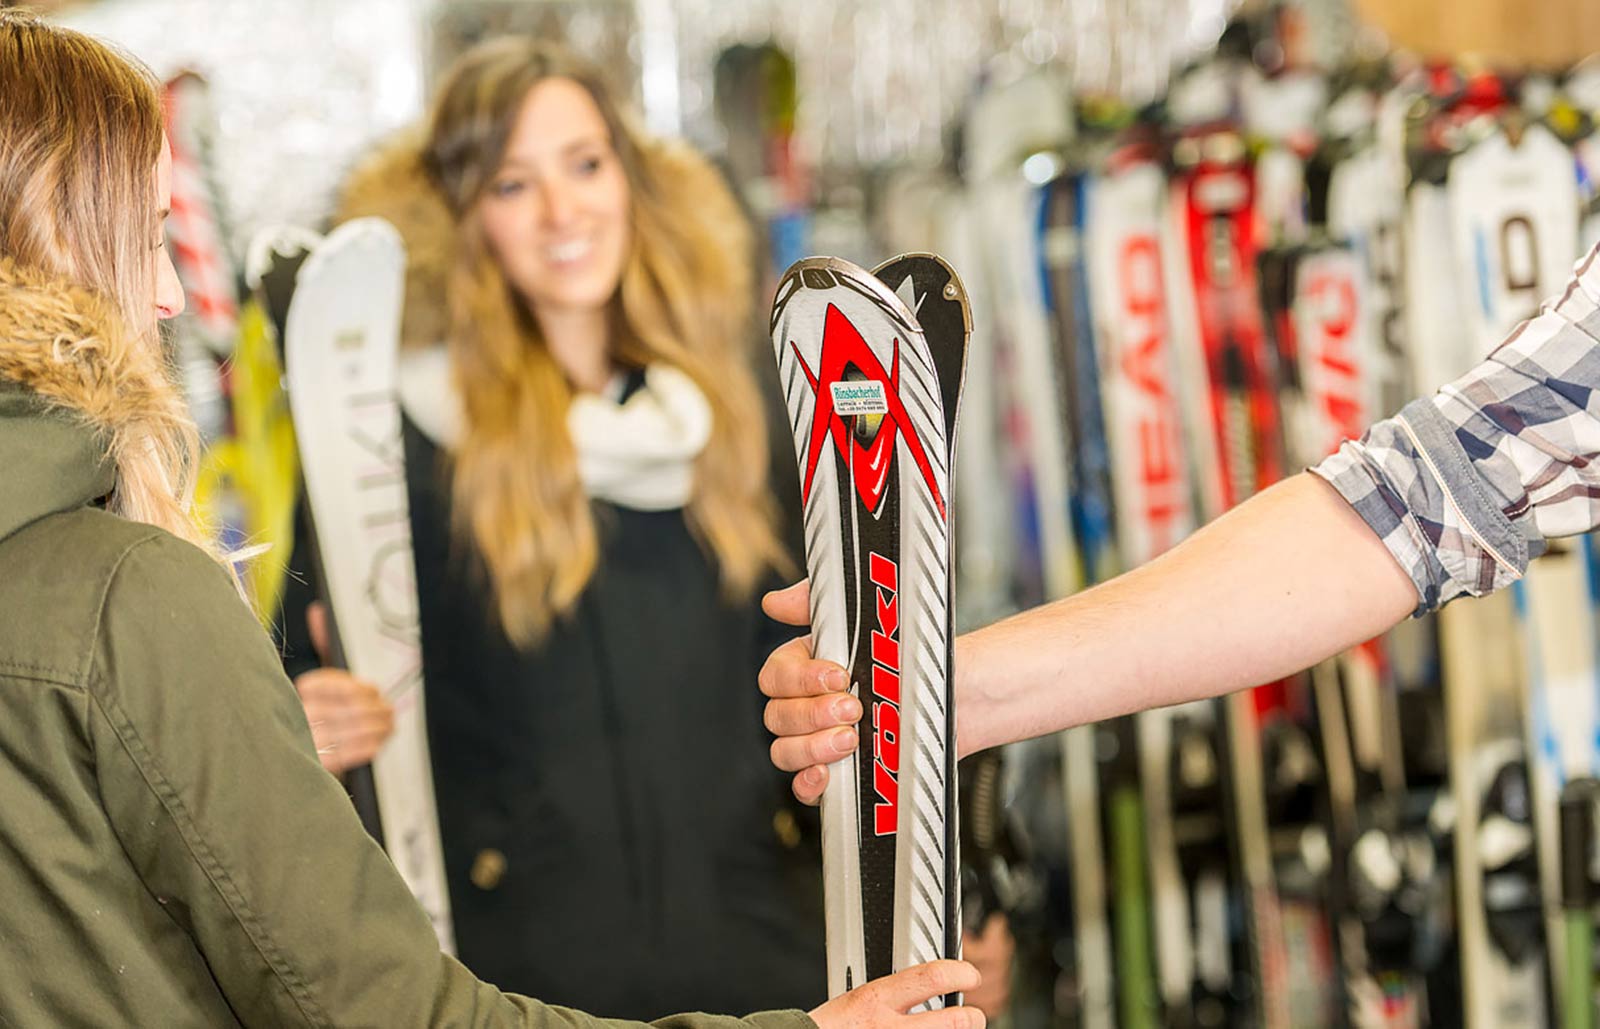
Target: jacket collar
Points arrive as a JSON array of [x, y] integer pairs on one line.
[[62, 386]]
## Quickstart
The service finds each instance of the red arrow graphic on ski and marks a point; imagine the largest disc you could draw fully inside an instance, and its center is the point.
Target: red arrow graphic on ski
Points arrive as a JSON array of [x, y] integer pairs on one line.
[[842, 348]]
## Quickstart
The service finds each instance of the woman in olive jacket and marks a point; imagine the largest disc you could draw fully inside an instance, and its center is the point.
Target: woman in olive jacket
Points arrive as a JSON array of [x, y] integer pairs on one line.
[[171, 851]]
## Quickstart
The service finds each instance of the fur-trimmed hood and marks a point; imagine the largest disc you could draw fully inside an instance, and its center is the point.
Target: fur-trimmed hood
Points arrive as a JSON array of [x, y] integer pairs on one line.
[[75, 390], [392, 183]]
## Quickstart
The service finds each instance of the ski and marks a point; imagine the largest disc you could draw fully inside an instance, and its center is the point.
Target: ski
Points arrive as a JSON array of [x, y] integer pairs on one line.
[[1030, 385], [1295, 307], [933, 292], [1107, 751], [1358, 718], [1214, 202], [1514, 211], [1556, 602], [342, 339], [1497, 911], [869, 425]]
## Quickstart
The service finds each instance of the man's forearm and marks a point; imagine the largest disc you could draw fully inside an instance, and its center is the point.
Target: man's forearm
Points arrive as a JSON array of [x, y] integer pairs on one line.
[[1285, 580]]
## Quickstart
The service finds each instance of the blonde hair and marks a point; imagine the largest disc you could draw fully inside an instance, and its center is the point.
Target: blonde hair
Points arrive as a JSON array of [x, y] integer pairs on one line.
[[683, 300], [80, 138]]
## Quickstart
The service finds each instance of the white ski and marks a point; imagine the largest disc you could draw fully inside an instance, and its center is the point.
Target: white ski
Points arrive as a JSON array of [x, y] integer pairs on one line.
[[342, 345], [1150, 479]]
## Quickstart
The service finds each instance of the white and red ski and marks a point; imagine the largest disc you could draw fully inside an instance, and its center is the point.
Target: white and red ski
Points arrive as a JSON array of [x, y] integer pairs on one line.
[[869, 423], [1152, 489], [1214, 202]]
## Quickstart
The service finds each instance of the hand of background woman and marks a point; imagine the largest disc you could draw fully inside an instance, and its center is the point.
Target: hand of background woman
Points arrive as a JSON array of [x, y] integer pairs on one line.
[[883, 1003], [990, 951], [808, 708], [349, 717]]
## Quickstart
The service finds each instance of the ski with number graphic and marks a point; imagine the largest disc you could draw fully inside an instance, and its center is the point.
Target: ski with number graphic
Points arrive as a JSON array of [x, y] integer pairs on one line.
[[1513, 206], [871, 430]]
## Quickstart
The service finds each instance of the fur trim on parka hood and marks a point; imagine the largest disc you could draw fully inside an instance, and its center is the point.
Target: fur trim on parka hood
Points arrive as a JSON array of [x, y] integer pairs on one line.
[[56, 404], [75, 390], [392, 183]]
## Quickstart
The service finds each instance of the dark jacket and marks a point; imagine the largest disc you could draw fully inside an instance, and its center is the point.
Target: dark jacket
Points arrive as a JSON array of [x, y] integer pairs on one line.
[[614, 778], [171, 852]]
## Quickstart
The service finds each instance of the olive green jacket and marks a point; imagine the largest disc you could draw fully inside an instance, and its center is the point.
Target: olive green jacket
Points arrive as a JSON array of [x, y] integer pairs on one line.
[[171, 852]]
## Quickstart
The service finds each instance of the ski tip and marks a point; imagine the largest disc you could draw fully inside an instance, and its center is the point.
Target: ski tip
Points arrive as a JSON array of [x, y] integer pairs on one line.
[[824, 273], [357, 233], [953, 291], [272, 243]]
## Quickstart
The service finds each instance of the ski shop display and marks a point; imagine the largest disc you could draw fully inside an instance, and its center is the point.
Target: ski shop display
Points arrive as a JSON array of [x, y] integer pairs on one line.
[[1343, 848], [865, 391], [1513, 199], [1106, 754], [1330, 866], [1181, 306], [1178, 769], [342, 350], [1214, 197]]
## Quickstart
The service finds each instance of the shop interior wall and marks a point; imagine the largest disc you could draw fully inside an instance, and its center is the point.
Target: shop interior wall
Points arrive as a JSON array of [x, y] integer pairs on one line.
[[302, 87]]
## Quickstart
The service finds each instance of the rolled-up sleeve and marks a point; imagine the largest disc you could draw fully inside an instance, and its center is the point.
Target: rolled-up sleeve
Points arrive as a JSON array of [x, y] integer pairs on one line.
[[1464, 487]]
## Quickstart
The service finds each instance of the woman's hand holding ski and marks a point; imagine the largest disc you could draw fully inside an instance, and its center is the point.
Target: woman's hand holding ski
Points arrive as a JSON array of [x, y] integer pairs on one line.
[[883, 1003], [350, 718]]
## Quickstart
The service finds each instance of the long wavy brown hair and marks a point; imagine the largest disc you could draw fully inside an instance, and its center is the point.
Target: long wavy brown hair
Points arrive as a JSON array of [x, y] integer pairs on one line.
[[80, 135], [683, 300]]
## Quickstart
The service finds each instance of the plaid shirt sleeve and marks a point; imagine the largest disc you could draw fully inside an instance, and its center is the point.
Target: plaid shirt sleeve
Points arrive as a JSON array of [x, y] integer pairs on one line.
[[1466, 486]]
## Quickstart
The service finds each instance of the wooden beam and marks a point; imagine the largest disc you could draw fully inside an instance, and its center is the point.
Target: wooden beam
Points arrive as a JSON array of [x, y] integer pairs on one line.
[[1502, 33]]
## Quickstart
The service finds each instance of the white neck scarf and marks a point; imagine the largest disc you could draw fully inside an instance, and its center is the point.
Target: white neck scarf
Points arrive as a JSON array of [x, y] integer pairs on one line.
[[637, 454]]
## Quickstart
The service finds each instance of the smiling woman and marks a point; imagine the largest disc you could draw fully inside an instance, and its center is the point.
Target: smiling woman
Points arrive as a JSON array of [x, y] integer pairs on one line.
[[590, 465], [583, 249]]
